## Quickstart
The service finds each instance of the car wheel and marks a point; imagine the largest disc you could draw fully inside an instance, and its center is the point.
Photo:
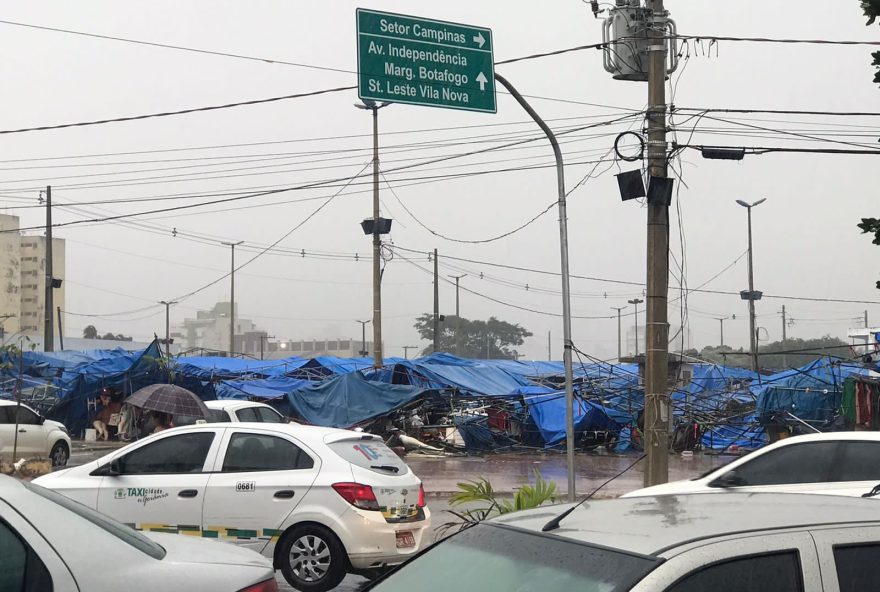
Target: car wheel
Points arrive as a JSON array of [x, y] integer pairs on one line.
[[59, 454], [312, 558]]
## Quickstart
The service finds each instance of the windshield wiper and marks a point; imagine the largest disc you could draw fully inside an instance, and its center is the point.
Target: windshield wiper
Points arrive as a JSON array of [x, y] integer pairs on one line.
[[873, 492], [553, 524], [391, 468]]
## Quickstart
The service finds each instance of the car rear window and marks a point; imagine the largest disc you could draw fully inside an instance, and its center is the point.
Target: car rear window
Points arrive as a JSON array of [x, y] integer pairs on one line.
[[214, 416], [370, 454], [120, 531], [493, 557]]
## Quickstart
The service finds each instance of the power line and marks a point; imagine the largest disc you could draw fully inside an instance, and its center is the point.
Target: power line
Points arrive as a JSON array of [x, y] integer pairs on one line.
[[640, 284], [180, 112], [767, 40], [177, 47], [264, 251]]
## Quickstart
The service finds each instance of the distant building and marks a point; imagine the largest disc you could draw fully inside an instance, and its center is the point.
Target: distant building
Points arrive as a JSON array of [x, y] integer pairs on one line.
[[312, 348], [210, 331], [23, 277]]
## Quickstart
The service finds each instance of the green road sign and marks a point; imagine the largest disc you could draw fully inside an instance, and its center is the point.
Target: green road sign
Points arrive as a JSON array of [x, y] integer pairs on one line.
[[405, 59]]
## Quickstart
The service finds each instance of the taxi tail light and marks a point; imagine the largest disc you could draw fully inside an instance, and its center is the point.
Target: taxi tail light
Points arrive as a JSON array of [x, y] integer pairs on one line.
[[358, 495], [267, 586], [422, 503]]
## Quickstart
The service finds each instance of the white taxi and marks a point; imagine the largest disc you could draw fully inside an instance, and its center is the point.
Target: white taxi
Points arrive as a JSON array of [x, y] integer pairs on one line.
[[320, 502]]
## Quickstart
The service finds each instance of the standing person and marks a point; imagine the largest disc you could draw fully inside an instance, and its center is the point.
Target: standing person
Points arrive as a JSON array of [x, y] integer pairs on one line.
[[108, 416], [163, 422]]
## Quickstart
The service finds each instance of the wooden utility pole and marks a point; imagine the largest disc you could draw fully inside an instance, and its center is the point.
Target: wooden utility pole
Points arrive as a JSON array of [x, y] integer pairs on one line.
[[657, 327], [49, 304]]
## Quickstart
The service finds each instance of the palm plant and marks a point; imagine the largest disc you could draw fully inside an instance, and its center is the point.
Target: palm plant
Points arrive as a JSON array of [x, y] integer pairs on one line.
[[481, 492]]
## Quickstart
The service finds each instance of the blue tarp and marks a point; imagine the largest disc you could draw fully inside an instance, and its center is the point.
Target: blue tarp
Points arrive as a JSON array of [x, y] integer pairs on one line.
[[270, 388], [715, 389], [547, 414], [445, 371], [217, 368], [350, 399]]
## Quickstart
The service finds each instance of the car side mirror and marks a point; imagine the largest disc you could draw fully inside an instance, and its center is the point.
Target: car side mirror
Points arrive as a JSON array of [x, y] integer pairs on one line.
[[41, 420], [728, 479]]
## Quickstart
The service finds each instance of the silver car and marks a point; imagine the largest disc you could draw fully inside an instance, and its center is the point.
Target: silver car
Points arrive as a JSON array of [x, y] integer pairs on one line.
[[50, 542], [675, 543]]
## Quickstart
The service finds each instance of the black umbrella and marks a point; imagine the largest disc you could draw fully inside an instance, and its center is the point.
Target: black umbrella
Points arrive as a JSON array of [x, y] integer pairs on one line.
[[168, 398]]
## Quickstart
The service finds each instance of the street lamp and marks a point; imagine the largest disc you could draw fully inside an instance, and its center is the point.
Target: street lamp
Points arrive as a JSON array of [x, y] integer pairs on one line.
[[364, 353], [635, 302], [377, 227], [751, 295]]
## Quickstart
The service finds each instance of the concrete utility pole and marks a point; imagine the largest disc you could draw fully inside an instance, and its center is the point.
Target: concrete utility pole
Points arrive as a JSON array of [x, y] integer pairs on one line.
[[784, 360], [364, 353], [618, 309], [635, 302], [406, 349], [866, 319], [168, 326], [549, 346], [60, 328], [457, 315], [436, 305], [265, 338], [377, 237], [751, 296], [657, 327], [49, 304], [232, 298], [567, 344], [721, 321]]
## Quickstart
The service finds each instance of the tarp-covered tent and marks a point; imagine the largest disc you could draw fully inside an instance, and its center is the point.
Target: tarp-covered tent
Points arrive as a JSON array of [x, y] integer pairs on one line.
[[445, 371], [79, 376], [210, 368], [350, 399], [811, 393], [715, 389], [547, 414]]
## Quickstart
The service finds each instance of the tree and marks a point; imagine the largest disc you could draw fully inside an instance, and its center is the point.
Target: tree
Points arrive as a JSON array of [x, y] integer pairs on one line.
[[90, 332], [492, 339], [771, 355], [871, 9]]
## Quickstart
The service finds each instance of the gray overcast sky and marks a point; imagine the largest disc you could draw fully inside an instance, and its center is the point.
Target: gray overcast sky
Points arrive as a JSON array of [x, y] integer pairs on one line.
[[806, 241]]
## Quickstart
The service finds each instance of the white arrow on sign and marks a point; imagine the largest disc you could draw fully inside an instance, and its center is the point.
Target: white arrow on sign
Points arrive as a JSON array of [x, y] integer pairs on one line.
[[479, 39], [481, 78]]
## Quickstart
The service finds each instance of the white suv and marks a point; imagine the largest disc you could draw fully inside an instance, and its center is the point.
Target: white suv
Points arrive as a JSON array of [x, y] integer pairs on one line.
[[319, 502], [837, 463], [37, 437]]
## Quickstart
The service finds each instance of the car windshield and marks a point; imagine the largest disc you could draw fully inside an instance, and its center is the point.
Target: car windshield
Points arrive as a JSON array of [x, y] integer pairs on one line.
[[494, 557], [120, 531]]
